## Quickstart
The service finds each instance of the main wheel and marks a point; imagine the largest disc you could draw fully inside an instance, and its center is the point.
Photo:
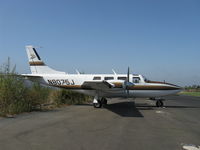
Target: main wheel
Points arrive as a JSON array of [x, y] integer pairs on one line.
[[159, 103], [104, 101], [97, 105]]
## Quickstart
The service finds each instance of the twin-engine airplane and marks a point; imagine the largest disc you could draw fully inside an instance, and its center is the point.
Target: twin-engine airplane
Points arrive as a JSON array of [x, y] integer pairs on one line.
[[101, 86]]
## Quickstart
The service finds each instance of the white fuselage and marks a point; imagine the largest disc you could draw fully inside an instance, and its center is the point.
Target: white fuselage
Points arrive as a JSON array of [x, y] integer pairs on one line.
[[139, 89]]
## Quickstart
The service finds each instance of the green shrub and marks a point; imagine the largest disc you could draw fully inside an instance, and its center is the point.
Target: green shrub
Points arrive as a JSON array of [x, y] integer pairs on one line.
[[13, 95], [60, 97], [16, 98], [37, 95]]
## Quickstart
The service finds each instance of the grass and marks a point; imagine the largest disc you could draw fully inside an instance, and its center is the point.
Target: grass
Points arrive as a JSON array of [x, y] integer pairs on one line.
[[191, 93]]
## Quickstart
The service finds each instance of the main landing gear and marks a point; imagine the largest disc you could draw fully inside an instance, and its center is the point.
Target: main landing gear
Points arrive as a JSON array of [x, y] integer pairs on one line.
[[159, 103], [97, 103]]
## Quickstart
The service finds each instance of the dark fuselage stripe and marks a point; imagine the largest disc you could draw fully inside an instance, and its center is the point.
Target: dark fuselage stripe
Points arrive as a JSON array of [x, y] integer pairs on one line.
[[135, 87], [37, 63], [148, 87]]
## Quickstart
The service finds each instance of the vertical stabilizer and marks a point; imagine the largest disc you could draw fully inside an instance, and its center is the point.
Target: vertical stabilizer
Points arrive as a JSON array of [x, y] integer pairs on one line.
[[37, 66]]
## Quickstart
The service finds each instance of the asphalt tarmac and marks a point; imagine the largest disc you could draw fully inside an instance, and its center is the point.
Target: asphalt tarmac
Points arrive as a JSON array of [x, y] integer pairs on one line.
[[123, 124]]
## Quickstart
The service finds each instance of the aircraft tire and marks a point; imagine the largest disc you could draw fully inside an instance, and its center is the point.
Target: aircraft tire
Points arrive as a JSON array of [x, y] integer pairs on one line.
[[104, 101], [97, 105], [159, 103]]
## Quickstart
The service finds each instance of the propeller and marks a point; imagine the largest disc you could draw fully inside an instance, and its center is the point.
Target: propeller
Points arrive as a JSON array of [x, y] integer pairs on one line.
[[127, 83]]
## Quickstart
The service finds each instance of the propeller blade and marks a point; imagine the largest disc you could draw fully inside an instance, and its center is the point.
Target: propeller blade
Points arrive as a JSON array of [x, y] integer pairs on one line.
[[127, 81], [128, 74]]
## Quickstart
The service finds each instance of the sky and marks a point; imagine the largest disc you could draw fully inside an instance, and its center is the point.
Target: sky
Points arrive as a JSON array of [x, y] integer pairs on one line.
[[159, 39]]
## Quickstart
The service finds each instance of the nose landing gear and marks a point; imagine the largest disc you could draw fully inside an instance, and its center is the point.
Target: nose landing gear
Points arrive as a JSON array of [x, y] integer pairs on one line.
[[159, 103]]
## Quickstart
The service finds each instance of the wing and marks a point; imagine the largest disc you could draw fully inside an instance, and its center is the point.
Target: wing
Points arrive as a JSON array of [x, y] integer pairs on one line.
[[97, 85]]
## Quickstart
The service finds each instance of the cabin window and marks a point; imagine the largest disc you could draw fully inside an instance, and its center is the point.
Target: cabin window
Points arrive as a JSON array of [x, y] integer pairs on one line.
[[109, 78], [136, 80], [121, 78], [97, 78]]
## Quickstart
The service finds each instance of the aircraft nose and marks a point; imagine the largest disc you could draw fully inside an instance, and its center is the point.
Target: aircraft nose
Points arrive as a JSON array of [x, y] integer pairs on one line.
[[176, 87], [179, 88]]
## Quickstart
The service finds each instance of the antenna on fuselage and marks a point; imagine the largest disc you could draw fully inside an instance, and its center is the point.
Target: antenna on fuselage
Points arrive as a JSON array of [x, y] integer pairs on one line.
[[114, 72], [77, 71]]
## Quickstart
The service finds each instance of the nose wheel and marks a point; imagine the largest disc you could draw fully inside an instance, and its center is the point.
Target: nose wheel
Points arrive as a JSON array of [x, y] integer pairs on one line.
[[159, 103]]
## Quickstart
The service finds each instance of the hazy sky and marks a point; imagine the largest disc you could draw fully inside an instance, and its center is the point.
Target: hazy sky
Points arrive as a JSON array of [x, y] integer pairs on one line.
[[157, 38]]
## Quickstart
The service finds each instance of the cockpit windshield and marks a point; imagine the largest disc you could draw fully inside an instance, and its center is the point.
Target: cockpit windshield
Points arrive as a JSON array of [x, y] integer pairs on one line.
[[145, 79]]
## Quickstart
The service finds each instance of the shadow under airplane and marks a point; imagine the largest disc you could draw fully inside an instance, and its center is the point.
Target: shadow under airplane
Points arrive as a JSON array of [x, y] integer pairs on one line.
[[124, 109], [132, 109]]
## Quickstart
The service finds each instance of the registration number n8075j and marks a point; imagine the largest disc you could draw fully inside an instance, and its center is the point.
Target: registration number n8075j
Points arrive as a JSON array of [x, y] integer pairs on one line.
[[60, 82]]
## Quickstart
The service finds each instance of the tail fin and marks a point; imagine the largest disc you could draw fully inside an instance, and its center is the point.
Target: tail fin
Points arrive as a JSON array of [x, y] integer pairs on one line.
[[37, 66]]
